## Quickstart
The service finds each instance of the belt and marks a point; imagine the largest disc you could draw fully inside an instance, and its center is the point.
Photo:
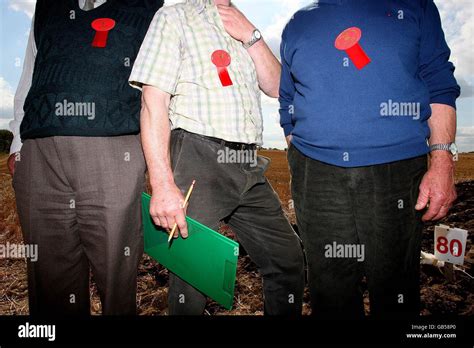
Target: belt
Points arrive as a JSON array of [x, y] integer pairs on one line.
[[233, 145]]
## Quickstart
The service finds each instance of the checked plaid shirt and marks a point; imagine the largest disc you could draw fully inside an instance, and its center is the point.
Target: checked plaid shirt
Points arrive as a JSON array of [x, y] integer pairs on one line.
[[176, 58]]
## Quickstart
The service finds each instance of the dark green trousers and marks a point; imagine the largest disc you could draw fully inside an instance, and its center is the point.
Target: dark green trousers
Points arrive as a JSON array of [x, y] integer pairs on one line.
[[369, 209]]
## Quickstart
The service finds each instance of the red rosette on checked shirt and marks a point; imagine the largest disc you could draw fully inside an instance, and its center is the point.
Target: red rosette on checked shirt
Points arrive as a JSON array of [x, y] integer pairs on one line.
[[221, 59]]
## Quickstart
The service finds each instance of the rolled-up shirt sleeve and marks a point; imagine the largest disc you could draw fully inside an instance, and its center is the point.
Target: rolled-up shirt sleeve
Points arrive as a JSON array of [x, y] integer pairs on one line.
[[435, 68], [158, 63], [287, 89]]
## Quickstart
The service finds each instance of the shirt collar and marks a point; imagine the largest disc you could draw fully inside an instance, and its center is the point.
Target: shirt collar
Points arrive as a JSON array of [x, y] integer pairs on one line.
[[201, 5], [96, 3]]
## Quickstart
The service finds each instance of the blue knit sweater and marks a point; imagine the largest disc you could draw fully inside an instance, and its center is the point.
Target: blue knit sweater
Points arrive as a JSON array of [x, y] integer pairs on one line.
[[350, 117]]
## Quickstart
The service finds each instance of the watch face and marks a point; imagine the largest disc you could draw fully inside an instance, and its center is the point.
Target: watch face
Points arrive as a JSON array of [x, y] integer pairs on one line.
[[257, 35], [453, 148]]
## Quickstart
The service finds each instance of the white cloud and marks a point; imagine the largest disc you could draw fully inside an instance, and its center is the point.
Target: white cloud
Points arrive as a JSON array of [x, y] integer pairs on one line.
[[458, 24], [465, 139], [4, 124], [6, 99], [466, 131], [273, 32], [26, 6]]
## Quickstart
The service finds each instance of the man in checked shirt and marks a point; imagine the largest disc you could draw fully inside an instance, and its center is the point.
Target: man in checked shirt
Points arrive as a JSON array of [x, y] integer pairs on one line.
[[201, 68]]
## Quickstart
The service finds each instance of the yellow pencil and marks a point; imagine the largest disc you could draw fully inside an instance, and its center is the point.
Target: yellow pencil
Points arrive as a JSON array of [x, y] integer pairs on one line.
[[191, 188]]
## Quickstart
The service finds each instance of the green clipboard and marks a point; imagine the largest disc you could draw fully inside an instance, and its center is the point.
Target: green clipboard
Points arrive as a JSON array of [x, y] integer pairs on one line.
[[206, 259]]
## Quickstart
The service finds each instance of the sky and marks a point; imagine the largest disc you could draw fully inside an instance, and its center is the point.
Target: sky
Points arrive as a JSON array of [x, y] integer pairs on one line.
[[270, 16]]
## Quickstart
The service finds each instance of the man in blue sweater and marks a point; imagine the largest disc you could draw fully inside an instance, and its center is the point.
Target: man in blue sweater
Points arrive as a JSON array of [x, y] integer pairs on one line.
[[367, 92]]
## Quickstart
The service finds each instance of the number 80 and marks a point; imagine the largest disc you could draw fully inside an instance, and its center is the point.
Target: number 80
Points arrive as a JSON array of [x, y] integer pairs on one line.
[[455, 247]]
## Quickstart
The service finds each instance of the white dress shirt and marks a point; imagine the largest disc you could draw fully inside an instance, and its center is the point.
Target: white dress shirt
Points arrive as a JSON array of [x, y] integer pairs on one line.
[[25, 83]]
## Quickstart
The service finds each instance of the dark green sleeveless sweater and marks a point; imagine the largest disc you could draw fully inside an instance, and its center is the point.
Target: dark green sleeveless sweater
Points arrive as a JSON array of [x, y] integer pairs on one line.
[[80, 89]]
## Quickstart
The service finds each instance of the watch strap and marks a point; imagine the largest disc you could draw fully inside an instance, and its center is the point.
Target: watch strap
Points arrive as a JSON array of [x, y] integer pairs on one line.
[[254, 39], [440, 147]]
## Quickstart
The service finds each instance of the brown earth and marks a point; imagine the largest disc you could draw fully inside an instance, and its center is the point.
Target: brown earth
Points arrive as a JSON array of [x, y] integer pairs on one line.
[[438, 294]]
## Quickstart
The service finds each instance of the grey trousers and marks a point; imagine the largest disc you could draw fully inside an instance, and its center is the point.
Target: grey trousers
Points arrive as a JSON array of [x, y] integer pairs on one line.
[[240, 194], [78, 199]]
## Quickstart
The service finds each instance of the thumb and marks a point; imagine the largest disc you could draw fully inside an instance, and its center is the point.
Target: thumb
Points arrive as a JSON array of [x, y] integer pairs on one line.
[[423, 198]]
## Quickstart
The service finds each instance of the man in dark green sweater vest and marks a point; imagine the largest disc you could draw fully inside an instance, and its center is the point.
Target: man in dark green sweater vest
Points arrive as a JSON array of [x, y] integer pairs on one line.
[[81, 169]]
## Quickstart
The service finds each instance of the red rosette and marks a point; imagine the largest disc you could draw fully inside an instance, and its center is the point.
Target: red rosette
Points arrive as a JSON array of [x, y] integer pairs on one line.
[[102, 26], [221, 59], [348, 41]]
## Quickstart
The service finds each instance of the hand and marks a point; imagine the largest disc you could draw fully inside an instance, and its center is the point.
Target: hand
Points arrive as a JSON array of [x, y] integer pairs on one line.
[[235, 23], [288, 139], [166, 208], [11, 163], [437, 187]]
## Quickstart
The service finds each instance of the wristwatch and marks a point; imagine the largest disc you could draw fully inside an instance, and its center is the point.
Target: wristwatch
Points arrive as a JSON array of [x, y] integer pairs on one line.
[[452, 148], [256, 37]]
